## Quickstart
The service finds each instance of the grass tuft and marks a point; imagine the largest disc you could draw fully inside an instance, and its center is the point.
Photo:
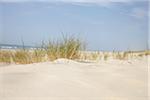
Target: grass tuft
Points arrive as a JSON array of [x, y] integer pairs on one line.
[[22, 57], [68, 47], [5, 56]]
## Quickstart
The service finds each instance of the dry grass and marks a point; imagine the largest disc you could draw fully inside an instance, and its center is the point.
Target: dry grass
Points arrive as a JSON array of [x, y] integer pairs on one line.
[[5, 56], [39, 55], [97, 56], [68, 48], [121, 55], [106, 55], [22, 57]]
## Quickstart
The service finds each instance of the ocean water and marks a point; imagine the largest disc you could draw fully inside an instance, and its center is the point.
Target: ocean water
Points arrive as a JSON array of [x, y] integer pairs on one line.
[[10, 46]]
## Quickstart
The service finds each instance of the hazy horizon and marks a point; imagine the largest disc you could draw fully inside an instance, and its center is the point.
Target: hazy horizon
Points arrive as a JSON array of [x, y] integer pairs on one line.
[[102, 24]]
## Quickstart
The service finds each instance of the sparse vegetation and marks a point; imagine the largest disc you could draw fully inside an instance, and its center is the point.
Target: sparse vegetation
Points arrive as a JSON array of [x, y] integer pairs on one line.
[[121, 55], [106, 56], [68, 47], [22, 57], [95, 55], [39, 55], [5, 56]]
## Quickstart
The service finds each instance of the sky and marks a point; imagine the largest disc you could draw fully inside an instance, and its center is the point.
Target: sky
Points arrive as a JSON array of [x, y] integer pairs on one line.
[[102, 24]]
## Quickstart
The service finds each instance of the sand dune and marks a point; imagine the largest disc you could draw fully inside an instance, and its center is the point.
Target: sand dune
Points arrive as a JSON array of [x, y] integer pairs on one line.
[[70, 80]]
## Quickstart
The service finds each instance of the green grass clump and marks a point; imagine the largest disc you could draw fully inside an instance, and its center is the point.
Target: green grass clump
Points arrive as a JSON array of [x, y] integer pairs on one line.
[[68, 48]]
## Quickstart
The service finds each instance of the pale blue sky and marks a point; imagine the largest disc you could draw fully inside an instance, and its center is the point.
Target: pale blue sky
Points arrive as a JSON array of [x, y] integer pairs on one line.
[[103, 24]]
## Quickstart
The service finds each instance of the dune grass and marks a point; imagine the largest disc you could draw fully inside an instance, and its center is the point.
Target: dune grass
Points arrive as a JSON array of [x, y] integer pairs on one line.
[[68, 47], [5, 56], [126, 55], [121, 55], [63, 50], [22, 57], [38, 55]]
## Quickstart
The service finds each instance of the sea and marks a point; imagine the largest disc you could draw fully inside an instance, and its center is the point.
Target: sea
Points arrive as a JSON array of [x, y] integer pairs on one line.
[[12, 46]]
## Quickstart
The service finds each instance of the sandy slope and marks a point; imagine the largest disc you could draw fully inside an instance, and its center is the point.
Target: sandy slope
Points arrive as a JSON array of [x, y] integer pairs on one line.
[[70, 80]]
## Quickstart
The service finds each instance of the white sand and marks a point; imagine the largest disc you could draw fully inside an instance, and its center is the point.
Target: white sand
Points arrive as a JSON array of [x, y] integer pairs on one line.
[[69, 80]]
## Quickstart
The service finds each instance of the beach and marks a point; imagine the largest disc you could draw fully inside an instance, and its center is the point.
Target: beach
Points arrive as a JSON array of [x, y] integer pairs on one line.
[[74, 50], [65, 79]]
